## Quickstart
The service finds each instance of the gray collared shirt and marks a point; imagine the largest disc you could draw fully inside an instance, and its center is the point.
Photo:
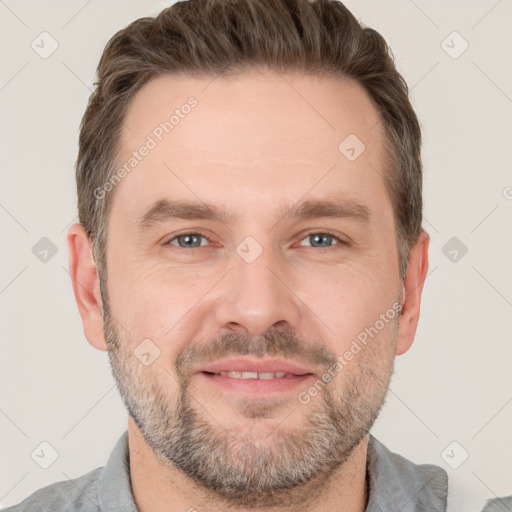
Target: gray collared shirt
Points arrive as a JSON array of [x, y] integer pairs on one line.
[[396, 484]]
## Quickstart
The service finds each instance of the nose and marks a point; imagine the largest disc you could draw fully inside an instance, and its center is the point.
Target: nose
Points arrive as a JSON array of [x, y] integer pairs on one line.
[[258, 296]]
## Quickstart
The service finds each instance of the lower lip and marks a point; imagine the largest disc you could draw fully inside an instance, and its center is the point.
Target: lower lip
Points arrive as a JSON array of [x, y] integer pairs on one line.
[[257, 386]]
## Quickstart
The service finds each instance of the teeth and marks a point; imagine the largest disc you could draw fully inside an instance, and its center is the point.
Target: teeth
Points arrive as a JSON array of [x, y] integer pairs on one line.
[[271, 375], [249, 375], [255, 375]]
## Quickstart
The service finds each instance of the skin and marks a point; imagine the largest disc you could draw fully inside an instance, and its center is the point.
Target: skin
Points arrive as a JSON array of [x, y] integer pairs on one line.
[[255, 147]]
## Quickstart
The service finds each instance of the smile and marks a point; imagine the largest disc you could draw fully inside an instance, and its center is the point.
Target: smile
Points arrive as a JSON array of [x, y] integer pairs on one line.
[[256, 375]]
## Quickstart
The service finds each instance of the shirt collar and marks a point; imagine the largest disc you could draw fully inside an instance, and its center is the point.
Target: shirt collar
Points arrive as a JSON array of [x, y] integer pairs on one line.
[[395, 483], [114, 485]]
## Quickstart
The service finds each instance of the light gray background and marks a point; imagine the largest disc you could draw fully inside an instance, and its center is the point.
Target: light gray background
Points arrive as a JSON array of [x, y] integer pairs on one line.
[[455, 384]]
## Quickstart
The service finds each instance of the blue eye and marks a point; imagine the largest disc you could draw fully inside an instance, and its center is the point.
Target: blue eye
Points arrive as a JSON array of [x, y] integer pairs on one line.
[[318, 240], [188, 240], [322, 239]]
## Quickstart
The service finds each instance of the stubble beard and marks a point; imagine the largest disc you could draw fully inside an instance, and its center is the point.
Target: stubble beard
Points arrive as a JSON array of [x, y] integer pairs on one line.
[[251, 471]]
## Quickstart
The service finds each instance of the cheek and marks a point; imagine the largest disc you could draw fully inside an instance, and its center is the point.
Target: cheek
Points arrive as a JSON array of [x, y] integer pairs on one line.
[[365, 363], [152, 302], [346, 301]]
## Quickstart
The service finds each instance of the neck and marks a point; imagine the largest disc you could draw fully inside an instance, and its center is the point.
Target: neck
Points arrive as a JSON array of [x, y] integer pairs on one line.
[[164, 488]]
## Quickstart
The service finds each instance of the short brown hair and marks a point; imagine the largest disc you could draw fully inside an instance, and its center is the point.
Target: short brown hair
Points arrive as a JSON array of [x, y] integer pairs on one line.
[[208, 37]]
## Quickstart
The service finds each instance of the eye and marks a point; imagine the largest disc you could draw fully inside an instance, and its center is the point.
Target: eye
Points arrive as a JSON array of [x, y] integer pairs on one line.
[[318, 240], [321, 240], [188, 240]]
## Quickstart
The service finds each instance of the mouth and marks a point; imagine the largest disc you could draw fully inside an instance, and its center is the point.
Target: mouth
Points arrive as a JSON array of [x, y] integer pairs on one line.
[[255, 375], [243, 375], [253, 383]]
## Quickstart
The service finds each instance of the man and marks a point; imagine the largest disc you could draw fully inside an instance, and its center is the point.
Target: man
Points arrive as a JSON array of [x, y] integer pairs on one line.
[[250, 254]]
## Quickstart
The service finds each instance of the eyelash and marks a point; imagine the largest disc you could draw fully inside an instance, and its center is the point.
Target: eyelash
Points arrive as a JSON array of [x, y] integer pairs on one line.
[[339, 245]]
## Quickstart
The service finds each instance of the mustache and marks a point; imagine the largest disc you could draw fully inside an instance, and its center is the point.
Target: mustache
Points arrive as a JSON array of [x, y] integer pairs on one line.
[[273, 343]]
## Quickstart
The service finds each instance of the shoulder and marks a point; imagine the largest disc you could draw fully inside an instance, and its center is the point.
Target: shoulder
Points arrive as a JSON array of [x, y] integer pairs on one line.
[[78, 494], [498, 505]]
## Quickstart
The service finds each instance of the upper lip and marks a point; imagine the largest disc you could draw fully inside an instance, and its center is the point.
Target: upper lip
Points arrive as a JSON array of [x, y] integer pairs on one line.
[[259, 366]]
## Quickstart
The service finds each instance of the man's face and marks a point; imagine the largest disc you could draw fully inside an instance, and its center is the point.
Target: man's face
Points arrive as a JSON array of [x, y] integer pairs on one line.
[[262, 284]]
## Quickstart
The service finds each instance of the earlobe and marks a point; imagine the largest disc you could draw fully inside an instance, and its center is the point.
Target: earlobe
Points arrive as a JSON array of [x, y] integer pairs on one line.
[[86, 287], [417, 269]]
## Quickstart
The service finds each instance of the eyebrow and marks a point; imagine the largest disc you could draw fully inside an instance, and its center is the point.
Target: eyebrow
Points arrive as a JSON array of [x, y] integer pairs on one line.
[[164, 210]]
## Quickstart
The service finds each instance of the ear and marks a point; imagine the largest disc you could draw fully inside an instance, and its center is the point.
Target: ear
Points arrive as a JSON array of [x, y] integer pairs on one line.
[[415, 277], [86, 285]]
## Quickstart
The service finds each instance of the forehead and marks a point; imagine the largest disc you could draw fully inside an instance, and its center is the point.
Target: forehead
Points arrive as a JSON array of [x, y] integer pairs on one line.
[[250, 139]]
